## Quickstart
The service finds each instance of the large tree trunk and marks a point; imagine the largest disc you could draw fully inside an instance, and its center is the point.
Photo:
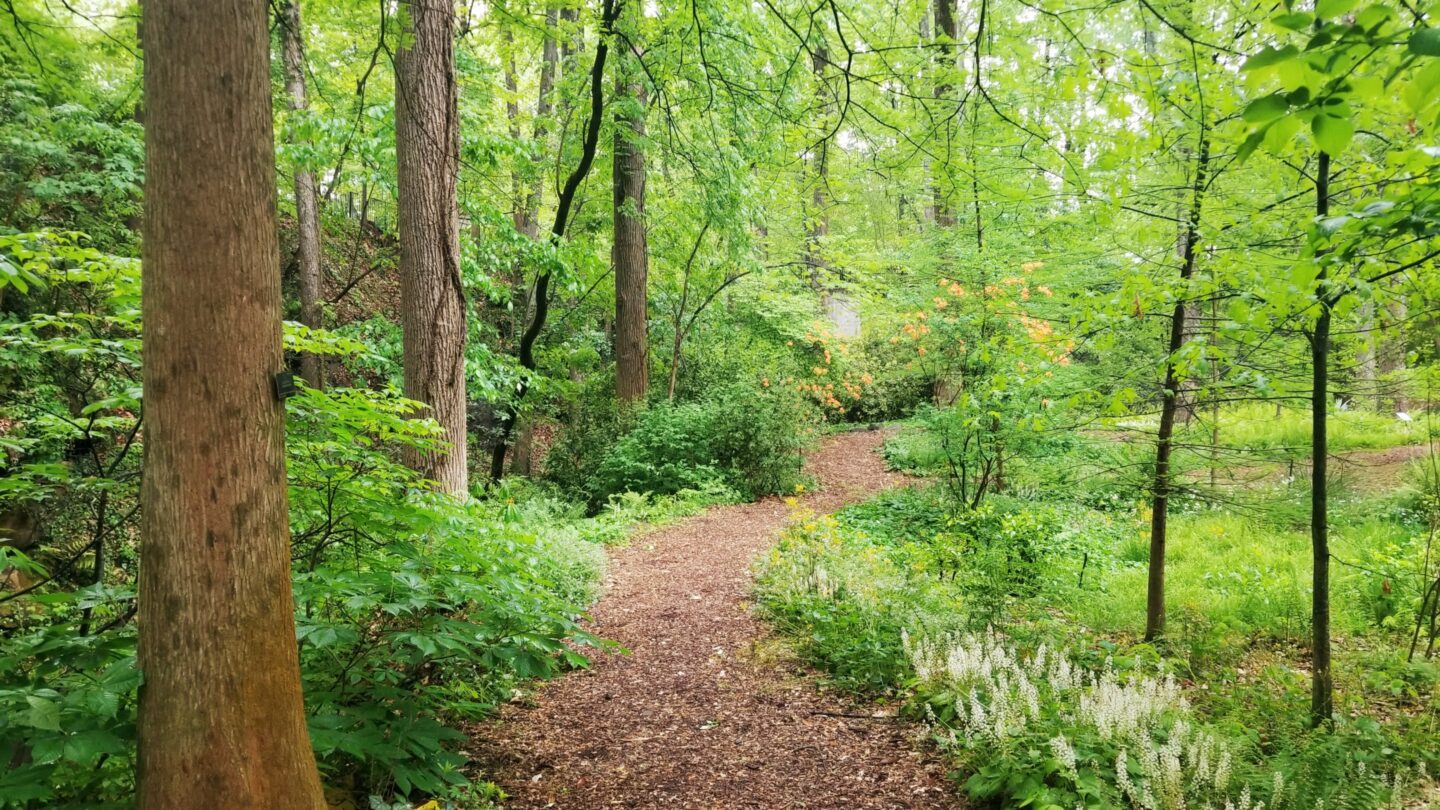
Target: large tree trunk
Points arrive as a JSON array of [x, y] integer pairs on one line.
[[1322, 681], [432, 300], [222, 723], [630, 254], [307, 200], [1170, 406]]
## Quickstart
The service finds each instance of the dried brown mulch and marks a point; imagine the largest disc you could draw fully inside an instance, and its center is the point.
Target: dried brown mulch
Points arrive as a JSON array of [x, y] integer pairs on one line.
[[704, 711]]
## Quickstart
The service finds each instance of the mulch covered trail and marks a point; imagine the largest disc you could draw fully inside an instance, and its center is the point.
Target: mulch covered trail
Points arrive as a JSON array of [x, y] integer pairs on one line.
[[703, 712]]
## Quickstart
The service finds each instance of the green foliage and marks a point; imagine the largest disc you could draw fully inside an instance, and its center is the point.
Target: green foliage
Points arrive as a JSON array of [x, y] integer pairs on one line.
[[1039, 711], [741, 438]]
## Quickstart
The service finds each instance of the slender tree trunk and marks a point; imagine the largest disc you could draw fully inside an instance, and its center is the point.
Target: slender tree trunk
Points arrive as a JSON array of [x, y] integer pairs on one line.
[[222, 722], [1322, 682], [1365, 379], [527, 211], [819, 195], [946, 34], [307, 199], [1169, 407], [630, 254], [432, 300], [563, 207]]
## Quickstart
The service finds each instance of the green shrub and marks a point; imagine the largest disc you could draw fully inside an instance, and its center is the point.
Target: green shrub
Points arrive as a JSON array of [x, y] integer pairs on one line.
[[744, 439]]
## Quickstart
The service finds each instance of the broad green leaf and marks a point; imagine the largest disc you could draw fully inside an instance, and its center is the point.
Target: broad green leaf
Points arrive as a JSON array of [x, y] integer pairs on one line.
[[1295, 20], [1421, 90], [43, 714], [1270, 57], [1332, 134], [1265, 109], [1425, 41], [1279, 134]]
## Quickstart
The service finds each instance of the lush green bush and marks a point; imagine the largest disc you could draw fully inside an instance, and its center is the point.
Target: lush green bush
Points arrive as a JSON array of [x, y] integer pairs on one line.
[[742, 438]]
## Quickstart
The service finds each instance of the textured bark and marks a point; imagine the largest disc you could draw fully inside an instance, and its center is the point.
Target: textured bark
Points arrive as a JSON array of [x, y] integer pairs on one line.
[[222, 723], [630, 255], [1170, 406], [946, 33], [432, 300], [1322, 680], [307, 199]]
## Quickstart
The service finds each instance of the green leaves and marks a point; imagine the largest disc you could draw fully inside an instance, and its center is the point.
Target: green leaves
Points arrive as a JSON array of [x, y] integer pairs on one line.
[[1326, 9], [1270, 57], [1425, 42], [1266, 108], [1332, 133]]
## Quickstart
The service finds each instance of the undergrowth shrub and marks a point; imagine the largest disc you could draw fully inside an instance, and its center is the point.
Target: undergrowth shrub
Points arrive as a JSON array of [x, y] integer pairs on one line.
[[742, 438], [414, 611]]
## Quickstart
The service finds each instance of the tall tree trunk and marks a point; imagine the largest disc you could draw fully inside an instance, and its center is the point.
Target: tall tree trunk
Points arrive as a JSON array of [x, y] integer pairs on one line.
[[819, 225], [432, 300], [307, 199], [222, 723], [946, 33], [1164, 442], [1322, 681], [527, 210], [564, 205], [630, 254]]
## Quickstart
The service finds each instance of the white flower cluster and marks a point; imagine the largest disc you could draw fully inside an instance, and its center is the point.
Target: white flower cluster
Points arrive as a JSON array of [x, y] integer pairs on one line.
[[1176, 764], [821, 583], [1119, 710]]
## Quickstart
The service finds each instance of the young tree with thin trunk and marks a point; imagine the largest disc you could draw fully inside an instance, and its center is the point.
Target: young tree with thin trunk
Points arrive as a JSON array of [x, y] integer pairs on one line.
[[307, 199], [564, 207], [1322, 680], [630, 255], [432, 299], [1171, 395], [222, 722]]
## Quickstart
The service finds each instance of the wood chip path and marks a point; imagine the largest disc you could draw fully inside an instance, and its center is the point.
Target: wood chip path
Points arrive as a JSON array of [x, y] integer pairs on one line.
[[704, 711]]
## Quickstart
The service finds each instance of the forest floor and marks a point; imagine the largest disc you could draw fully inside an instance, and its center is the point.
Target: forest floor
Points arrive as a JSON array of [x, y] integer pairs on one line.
[[707, 709]]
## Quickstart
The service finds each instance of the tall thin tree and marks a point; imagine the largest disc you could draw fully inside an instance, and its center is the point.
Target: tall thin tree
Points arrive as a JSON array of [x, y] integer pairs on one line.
[[1171, 394], [222, 723], [432, 298], [307, 198], [564, 207], [1322, 680]]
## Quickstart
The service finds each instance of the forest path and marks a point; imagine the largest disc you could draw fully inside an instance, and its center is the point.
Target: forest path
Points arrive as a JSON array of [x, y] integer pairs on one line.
[[704, 712]]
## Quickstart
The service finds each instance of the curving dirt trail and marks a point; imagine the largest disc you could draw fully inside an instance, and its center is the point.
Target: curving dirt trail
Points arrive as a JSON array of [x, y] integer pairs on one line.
[[699, 714]]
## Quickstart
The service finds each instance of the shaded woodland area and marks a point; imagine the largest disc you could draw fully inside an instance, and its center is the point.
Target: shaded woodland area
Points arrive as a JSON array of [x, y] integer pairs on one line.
[[343, 346]]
